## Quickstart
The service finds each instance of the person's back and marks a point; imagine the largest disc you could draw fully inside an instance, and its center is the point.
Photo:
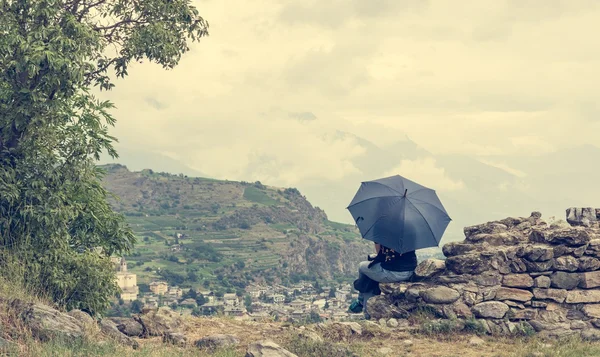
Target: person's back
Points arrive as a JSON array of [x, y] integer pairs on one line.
[[395, 261]]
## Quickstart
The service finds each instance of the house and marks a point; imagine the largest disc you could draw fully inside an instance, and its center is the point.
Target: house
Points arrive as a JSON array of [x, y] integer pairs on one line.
[[259, 316], [126, 281], [230, 299], [189, 303], [255, 291], [212, 308], [159, 287], [176, 248], [209, 296], [175, 291], [276, 298], [299, 304], [339, 316], [233, 311], [298, 314], [319, 303]]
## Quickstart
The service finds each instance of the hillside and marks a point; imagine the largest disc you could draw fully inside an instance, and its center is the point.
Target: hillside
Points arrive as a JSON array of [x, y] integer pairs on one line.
[[197, 231]]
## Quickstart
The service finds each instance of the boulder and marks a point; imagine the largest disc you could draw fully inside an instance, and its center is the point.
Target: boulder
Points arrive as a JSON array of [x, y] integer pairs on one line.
[[542, 282], [517, 281], [430, 267], [558, 295], [440, 295], [267, 349], [563, 280], [130, 328], [381, 307], [217, 341], [159, 322], [83, 318], [583, 296], [490, 309], [46, 322], [590, 280], [110, 330], [175, 338], [467, 264], [566, 263], [513, 294]]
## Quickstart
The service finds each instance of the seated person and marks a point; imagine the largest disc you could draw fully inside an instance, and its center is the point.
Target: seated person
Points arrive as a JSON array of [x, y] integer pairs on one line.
[[388, 266]]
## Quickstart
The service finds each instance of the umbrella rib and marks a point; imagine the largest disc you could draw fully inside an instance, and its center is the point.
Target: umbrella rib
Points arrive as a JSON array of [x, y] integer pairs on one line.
[[370, 198], [428, 203], [426, 223], [391, 188]]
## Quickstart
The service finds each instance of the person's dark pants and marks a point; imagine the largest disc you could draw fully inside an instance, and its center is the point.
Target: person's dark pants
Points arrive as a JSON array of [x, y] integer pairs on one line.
[[377, 273]]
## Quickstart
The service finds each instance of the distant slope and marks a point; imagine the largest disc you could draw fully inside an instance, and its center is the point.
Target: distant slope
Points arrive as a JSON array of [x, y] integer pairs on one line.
[[233, 232]]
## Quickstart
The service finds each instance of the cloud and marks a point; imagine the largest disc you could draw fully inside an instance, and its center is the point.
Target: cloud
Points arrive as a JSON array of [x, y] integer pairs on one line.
[[427, 173], [303, 116]]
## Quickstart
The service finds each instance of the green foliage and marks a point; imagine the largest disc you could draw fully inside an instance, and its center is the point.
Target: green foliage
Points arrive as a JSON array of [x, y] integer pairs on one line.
[[54, 217], [308, 348], [257, 195], [474, 326], [136, 306]]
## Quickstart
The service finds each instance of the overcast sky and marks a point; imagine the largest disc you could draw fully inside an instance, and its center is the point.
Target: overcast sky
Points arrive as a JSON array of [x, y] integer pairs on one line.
[[265, 93]]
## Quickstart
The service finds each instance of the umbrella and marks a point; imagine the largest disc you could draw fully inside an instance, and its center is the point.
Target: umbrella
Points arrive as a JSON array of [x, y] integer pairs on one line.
[[399, 214]]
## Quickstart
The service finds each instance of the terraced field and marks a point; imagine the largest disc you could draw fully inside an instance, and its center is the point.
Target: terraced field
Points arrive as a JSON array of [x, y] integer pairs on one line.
[[221, 234]]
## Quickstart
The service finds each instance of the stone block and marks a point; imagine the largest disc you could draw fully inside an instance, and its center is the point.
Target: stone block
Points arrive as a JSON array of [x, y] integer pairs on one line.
[[538, 266], [575, 236], [517, 281], [439, 295], [581, 216], [430, 267], [538, 253], [542, 282], [591, 310], [590, 280], [467, 264], [558, 295], [488, 279], [457, 248], [490, 309], [566, 263], [563, 280], [588, 264], [583, 296], [513, 294], [522, 314]]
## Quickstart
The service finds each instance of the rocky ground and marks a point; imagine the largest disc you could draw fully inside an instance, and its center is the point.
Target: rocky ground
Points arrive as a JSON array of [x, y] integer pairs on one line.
[[165, 333]]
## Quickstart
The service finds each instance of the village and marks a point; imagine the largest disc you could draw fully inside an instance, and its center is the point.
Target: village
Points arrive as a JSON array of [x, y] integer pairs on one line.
[[301, 302]]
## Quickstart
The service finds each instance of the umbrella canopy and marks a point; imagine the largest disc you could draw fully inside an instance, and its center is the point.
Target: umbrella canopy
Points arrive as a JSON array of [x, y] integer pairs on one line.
[[399, 214]]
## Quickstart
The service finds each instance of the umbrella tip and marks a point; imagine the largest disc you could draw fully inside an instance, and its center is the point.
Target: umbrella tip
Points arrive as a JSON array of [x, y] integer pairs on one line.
[[405, 190]]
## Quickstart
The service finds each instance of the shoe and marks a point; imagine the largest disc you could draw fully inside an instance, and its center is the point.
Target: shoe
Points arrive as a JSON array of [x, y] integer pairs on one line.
[[355, 307]]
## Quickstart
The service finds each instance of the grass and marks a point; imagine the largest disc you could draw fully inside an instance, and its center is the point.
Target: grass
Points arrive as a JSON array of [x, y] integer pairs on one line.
[[256, 195]]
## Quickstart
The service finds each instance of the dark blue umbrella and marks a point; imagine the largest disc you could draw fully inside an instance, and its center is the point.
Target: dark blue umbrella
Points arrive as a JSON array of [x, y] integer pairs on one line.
[[399, 214]]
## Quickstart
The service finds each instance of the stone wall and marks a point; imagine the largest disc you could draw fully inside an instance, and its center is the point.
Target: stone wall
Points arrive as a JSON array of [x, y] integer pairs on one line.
[[510, 274]]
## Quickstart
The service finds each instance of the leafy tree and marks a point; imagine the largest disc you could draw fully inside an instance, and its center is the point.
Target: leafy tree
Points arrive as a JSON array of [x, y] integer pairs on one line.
[[57, 230], [190, 294], [200, 300], [248, 302], [136, 306], [332, 292]]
